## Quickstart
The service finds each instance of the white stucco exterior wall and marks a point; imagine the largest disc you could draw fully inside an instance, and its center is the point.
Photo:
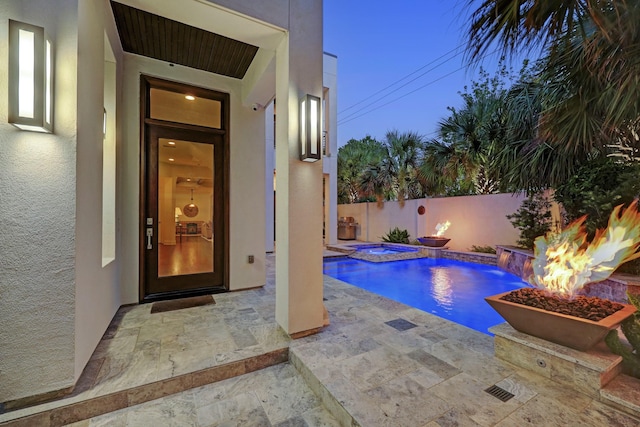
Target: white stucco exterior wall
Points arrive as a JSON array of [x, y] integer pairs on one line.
[[97, 293], [246, 193], [270, 162], [56, 299], [37, 194], [330, 161], [298, 184]]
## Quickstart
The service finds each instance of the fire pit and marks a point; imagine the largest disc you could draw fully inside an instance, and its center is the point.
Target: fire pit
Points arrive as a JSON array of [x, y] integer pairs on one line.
[[564, 329], [433, 241], [563, 264], [436, 241]]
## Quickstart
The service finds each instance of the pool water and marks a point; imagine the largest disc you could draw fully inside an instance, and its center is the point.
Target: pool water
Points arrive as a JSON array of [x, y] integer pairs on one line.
[[382, 249], [454, 290]]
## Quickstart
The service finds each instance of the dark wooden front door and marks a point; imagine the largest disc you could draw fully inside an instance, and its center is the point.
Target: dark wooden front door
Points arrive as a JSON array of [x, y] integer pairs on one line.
[[184, 227]]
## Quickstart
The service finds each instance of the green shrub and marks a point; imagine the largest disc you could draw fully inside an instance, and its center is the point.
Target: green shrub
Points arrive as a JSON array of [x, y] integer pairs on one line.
[[595, 189], [483, 249], [396, 236], [631, 328], [533, 219]]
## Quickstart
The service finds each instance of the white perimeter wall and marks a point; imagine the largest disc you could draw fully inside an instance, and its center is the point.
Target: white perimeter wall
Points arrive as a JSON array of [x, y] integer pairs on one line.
[[475, 220]]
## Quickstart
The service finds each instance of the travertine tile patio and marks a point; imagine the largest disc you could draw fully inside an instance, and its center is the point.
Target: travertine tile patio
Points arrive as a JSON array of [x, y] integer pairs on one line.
[[379, 363]]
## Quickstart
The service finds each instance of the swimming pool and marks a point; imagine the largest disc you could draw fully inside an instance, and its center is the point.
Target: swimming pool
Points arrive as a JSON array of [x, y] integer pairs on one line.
[[454, 290], [382, 249]]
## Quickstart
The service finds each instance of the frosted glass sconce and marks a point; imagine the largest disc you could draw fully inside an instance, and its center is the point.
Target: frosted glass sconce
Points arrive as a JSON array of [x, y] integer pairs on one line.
[[310, 134], [30, 78]]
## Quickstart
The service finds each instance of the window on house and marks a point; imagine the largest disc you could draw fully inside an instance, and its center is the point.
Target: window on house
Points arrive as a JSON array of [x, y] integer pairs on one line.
[[194, 110]]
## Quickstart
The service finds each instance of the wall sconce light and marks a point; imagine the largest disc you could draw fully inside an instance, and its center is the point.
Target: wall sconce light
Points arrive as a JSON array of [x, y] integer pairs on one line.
[[30, 78], [310, 134]]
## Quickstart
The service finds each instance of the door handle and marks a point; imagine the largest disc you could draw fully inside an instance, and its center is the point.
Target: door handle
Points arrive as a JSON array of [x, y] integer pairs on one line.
[[149, 235]]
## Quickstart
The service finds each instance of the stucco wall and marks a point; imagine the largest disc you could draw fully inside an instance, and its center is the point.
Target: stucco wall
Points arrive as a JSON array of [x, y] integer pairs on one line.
[[475, 220], [246, 198], [299, 184], [37, 195], [330, 161], [97, 290]]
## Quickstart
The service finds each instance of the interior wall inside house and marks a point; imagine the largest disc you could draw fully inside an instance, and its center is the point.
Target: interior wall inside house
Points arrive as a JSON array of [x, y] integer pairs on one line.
[[37, 183]]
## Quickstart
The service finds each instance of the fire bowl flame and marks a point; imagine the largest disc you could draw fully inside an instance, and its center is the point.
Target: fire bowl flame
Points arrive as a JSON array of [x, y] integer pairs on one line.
[[569, 331], [433, 241]]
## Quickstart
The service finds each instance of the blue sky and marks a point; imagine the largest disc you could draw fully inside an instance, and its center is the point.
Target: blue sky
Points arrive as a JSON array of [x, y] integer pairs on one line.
[[380, 42]]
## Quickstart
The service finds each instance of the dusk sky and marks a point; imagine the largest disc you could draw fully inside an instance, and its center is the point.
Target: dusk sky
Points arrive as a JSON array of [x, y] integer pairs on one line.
[[378, 43]]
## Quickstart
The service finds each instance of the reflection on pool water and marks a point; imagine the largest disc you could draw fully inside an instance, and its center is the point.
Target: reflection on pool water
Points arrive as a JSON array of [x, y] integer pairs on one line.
[[454, 290]]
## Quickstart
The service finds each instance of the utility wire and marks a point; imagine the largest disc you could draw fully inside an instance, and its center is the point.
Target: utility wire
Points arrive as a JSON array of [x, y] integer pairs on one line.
[[351, 117], [409, 75], [391, 93]]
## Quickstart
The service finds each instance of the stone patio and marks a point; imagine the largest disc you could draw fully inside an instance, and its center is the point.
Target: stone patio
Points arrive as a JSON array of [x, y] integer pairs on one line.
[[379, 363]]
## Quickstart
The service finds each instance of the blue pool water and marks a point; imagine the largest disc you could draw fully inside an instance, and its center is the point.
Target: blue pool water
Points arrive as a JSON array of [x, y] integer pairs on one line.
[[382, 249], [450, 289]]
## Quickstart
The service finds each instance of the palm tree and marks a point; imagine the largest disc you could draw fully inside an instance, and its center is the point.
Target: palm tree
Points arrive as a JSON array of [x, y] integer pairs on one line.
[[395, 176], [523, 159], [460, 161], [353, 159], [591, 72]]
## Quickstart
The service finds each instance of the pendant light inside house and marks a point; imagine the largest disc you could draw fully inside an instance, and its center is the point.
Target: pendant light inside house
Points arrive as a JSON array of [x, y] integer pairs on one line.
[[191, 209]]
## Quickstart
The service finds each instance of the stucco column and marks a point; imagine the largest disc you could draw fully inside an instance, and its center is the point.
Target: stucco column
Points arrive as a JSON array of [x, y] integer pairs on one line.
[[299, 306]]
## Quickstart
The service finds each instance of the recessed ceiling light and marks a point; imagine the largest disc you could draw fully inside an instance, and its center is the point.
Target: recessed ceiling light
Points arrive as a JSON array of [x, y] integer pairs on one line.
[[172, 143], [188, 179], [171, 159], [190, 97]]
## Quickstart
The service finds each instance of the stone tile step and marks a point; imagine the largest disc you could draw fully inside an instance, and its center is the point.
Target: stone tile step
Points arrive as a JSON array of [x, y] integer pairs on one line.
[[71, 410], [623, 392], [587, 372]]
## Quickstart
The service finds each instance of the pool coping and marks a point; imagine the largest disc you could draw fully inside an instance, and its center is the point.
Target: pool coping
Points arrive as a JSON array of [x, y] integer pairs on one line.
[[350, 251]]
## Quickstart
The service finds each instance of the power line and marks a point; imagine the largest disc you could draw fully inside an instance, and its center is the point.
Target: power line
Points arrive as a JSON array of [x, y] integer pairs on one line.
[[409, 75], [350, 118], [400, 87]]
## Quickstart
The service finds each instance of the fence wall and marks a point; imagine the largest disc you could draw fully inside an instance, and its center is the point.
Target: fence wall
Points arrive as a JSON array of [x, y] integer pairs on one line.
[[475, 220]]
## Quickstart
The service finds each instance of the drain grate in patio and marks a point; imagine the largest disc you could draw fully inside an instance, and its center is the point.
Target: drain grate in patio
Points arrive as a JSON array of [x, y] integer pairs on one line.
[[499, 393], [401, 324]]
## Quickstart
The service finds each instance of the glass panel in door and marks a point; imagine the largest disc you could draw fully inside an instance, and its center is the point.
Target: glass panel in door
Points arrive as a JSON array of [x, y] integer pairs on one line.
[[185, 207]]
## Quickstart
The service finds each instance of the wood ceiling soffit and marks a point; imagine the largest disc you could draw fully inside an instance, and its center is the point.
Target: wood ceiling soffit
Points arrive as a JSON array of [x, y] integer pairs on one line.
[[146, 34]]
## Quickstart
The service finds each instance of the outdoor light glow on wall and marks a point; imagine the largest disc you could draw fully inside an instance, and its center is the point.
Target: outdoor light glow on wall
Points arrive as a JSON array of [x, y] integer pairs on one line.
[[30, 78], [310, 134]]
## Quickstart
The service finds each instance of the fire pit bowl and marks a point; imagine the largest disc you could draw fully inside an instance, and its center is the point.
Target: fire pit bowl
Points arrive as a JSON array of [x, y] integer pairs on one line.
[[569, 331], [433, 241]]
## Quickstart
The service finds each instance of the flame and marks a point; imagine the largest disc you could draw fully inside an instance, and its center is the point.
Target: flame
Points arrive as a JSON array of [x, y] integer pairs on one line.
[[564, 262], [441, 228]]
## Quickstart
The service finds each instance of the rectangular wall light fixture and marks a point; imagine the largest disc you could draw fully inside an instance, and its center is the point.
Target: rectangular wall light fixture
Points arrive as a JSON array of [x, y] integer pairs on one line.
[[310, 134], [30, 78]]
